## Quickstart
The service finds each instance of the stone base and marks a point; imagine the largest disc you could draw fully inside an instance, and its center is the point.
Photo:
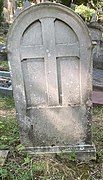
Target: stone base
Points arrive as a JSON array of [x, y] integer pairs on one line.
[[82, 152]]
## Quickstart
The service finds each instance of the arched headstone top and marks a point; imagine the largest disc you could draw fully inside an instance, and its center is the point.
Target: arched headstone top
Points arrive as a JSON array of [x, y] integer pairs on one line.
[[68, 30], [53, 10]]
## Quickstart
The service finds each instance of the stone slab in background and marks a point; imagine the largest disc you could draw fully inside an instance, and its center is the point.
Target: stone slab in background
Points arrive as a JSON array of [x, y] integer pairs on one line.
[[1, 56], [5, 90], [3, 156], [98, 55], [98, 79], [97, 97], [96, 31]]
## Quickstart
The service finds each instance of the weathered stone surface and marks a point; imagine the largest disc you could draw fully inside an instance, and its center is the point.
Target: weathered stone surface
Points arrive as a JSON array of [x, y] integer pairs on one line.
[[97, 97], [3, 55], [26, 4], [96, 31], [51, 77], [5, 84], [98, 55], [98, 79], [3, 156], [8, 10], [17, 12], [82, 152]]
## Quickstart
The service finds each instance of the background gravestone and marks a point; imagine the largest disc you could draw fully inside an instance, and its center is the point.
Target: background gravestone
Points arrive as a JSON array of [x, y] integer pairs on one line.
[[96, 31], [51, 76]]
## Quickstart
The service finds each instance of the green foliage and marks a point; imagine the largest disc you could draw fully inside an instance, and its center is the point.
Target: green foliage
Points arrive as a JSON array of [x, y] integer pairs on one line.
[[98, 111], [9, 135], [79, 2], [20, 3], [85, 12], [72, 156], [3, 173], [2, 41], [4, 65], [6, 103], [1, 11], [100, 12], [100, 4], [20, 148], [26, 170], [65, 2]]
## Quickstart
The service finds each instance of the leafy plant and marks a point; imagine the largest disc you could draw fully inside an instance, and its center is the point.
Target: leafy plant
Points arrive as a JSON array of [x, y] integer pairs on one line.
[[6, 102], [9, 134], [2, 40], [4, 65], [72, 156], [85, 12], [20, 148], [1, 11], [100, 4], [19, 3]]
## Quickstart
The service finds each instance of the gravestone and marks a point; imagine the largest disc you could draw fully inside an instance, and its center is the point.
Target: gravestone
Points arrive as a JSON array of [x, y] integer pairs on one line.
[[96, 31], [26, 4], [49, 50], [8, 10]]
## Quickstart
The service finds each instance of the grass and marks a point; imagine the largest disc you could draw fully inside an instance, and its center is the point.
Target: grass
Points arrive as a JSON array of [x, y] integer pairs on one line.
[[97, 129], [6, 103], [4, 66], [4, 63], [21, 166], [2, 40], [8, 127]]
